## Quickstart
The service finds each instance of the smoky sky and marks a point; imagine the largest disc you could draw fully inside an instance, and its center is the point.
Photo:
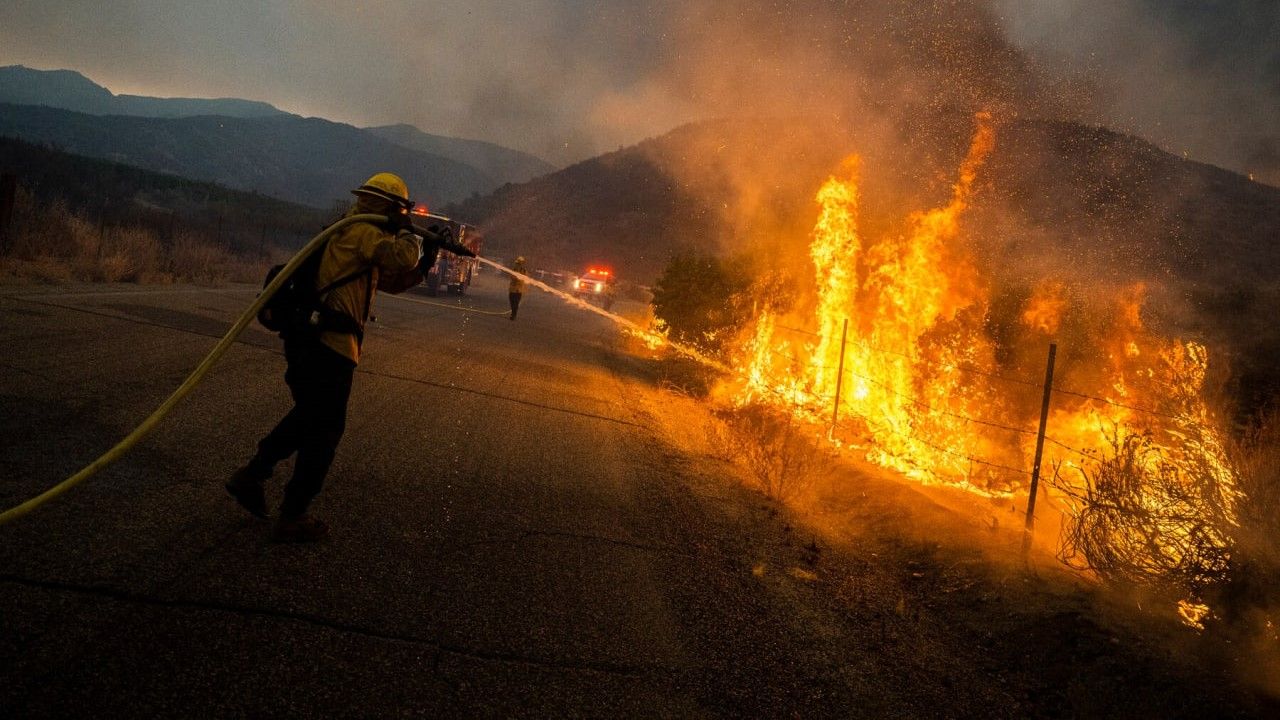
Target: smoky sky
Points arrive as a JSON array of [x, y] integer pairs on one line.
[[568, 79], [1200, 78]]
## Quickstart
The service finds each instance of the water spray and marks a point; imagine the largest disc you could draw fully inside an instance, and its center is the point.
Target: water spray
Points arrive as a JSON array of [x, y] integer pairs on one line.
[[628, 325]]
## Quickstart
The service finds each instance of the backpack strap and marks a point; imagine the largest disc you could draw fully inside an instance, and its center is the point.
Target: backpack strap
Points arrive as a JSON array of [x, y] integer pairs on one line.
[[351, 277]]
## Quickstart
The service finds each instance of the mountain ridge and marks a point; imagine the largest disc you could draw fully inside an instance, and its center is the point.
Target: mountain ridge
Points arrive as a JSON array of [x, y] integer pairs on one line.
[[496, 160], [73, 91], [1041, 172], [307, 160], [1092, 208]]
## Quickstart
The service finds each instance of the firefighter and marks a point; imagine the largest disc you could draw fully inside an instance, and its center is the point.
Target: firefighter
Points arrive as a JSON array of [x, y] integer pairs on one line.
[[515, 291], [321, 364]]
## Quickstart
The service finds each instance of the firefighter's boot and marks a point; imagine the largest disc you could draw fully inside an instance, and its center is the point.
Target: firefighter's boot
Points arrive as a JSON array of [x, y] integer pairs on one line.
[[245, 486]]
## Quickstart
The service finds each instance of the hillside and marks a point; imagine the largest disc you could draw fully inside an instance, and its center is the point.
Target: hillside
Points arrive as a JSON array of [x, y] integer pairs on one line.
[[1054, 200], [498, 162], [1076, 190], [304, 160], [111, 195], [69, 90]]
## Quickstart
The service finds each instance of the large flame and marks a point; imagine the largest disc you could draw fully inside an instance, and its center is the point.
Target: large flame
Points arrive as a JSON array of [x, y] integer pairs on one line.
[[914, 305], [921, 392]]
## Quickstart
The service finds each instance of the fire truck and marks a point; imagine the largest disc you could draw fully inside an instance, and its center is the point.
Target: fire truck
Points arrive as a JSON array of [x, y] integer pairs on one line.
[[595, 285], [451, 272]]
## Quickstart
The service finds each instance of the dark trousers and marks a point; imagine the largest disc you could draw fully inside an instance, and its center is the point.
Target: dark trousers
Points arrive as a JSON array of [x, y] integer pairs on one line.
[[515, 302], [320, 381]]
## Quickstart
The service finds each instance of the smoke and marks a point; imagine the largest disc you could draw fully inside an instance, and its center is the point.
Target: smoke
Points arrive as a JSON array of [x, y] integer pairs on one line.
[[566, 79], [808, 82], [1199, 79], [569, 79]]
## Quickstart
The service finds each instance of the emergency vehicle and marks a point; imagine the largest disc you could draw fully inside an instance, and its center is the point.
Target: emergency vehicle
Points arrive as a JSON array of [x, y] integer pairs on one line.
[[451, 272], [595, 285]]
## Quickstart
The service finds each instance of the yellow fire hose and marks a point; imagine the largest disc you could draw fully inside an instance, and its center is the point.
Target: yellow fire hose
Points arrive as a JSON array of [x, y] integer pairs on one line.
[[146, 426]]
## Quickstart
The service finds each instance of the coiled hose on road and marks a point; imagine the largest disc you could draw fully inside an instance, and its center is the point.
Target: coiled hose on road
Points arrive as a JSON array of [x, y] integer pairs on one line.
[[146, 426]]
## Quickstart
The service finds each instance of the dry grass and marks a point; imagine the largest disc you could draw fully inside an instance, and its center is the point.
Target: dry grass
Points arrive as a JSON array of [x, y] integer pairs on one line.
[[1257, 457], [53, 244], [1252, 597], [1138, 519], [774, 447]]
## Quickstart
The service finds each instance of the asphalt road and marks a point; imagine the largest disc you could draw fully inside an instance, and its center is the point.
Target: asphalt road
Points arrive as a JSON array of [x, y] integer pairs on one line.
[[512, 535], [507, 535]]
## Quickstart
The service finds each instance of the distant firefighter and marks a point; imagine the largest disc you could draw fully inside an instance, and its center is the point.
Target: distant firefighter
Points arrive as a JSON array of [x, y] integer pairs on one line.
[[515, 291], [322, 350]]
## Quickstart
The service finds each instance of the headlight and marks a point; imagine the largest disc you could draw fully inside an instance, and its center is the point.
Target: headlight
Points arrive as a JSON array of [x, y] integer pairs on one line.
[[599, 287]]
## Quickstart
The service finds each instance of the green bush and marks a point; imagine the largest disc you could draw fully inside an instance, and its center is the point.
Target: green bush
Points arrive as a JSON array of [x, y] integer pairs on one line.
[[701, 298]]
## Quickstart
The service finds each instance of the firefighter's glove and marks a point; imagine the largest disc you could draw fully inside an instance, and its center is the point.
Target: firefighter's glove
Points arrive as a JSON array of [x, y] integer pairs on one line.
[[430, 251], [398, 220]]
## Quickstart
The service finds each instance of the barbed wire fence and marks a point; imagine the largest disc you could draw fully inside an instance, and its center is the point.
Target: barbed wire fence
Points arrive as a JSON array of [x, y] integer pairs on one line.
[[914, 434]]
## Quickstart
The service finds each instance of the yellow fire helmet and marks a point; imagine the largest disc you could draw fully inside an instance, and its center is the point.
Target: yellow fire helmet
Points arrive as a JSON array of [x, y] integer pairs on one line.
[[387, 186]]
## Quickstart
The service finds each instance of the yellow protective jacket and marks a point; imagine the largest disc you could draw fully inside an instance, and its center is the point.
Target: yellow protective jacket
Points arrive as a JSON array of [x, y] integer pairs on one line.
[[361, 246], [517, 283]]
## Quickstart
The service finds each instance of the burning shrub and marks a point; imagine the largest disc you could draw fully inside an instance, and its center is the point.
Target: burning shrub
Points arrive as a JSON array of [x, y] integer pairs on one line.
[[1138, 515], [773, 446], [700, 297]]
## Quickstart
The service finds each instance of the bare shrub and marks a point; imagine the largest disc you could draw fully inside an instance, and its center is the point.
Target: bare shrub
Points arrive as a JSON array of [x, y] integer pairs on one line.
[[1254, 587], [50, 242], [141, 252], [53, 231], [1138, 517], [76, 237], [42, 269], [113, 268], [773, 446]]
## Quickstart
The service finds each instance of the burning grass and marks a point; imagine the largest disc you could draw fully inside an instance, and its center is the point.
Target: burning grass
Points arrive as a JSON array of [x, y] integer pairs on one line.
[[894, 335]]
